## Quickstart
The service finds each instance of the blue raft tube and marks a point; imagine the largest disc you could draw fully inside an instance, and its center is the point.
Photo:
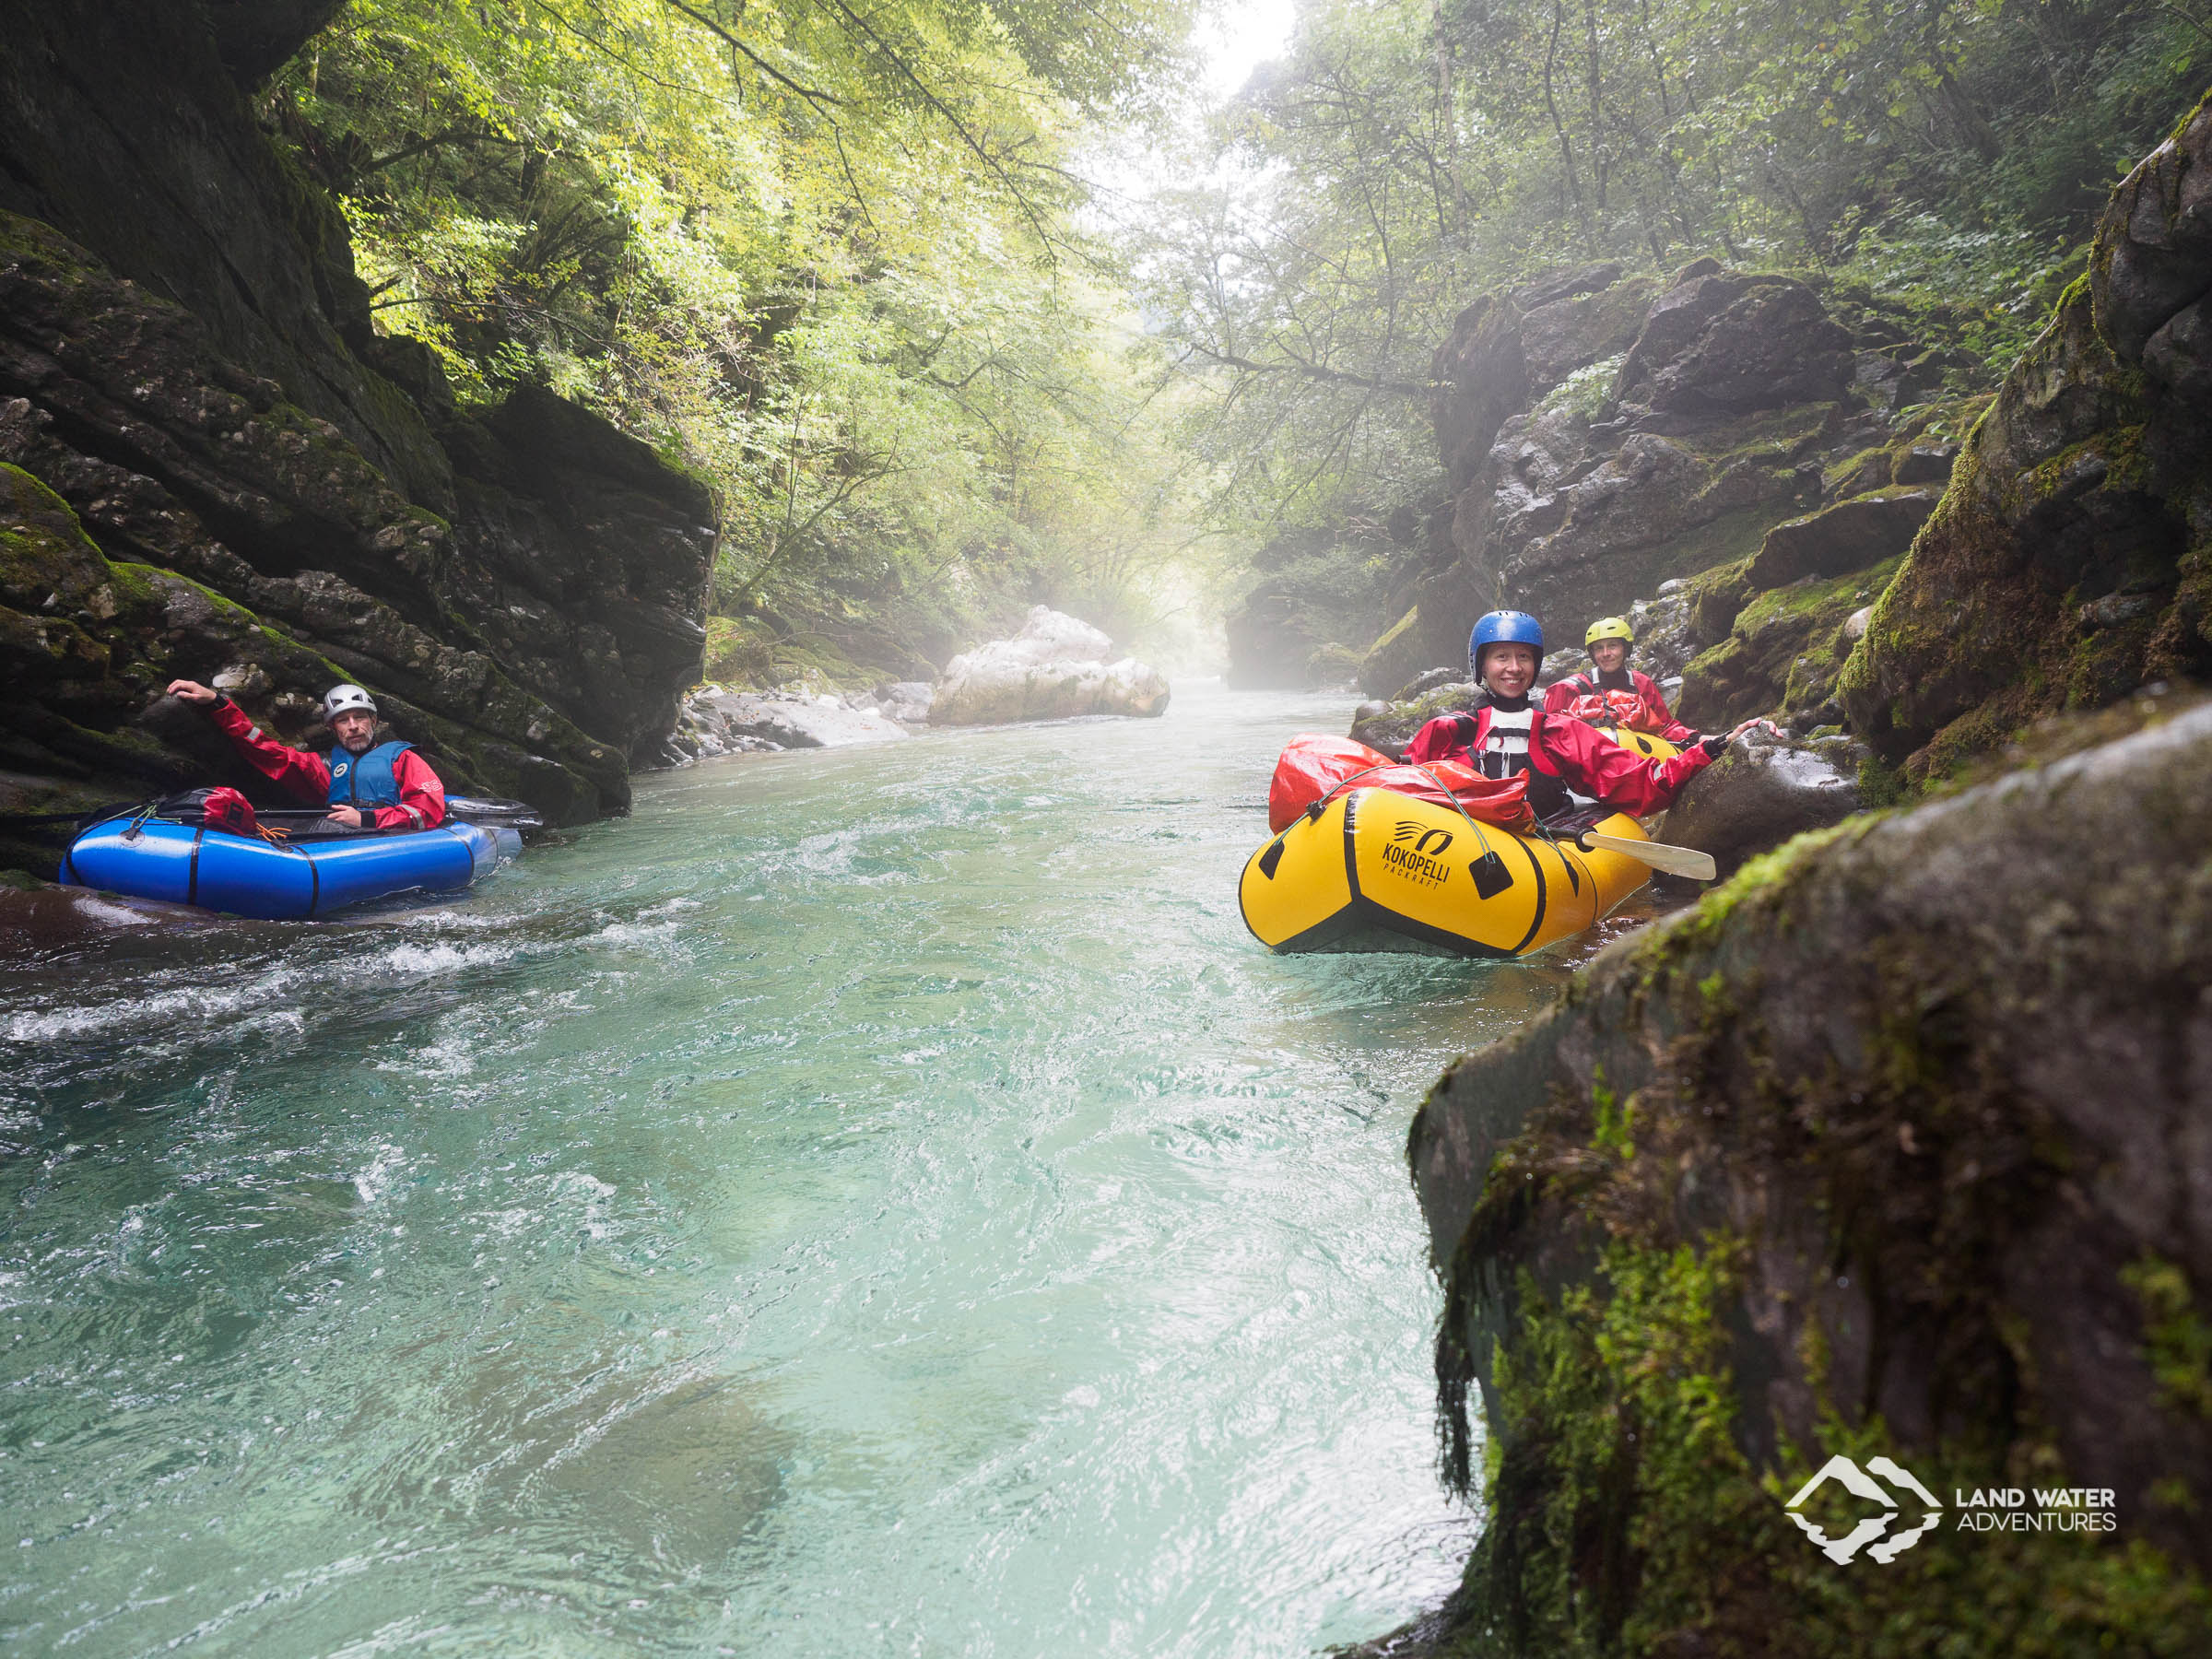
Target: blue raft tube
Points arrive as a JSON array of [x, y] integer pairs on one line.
[[145, 856]]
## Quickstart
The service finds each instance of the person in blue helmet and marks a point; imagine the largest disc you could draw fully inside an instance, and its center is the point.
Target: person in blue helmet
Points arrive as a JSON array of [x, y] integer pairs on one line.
[[1511, 734]]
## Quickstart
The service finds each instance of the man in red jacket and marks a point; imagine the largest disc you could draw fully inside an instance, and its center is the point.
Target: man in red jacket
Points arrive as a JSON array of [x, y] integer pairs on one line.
[[383, 786], [1511, 735], [1609, 692]]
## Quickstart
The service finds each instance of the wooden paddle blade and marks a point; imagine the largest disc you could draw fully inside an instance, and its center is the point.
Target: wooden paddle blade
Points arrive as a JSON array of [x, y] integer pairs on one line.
[[1674, 861]]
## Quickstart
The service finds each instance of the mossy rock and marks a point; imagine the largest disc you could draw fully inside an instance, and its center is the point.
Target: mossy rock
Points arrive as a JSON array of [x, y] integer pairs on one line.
[[1393, 726], [1334, 665], [741, 650], [1389, 662], [1715, 595], [1783, 653], [1794, 1175]]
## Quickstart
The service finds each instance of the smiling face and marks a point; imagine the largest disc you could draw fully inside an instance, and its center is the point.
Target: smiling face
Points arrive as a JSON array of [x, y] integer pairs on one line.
[[1509, 670], [355, 730], [1609, 654]]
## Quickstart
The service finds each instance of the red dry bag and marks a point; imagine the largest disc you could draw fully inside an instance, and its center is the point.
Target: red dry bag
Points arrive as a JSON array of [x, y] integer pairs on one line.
[[1313, 766]]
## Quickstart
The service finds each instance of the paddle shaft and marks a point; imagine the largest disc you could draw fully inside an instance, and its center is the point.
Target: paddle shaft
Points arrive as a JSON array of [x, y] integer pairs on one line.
[[1674, 861]]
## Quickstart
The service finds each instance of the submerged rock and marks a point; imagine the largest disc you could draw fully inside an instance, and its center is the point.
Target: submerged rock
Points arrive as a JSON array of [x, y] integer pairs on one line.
[[1056, 668], [1895, 1145]]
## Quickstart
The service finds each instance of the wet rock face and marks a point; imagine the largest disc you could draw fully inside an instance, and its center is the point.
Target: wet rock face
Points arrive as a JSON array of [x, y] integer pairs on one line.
[[1757, 795], [1505, 352], [1056, 668], [192, 371], [127, 132], [1731, 390], [1898, 1132], [1731, 344], [1641, 433], [2068, 562]]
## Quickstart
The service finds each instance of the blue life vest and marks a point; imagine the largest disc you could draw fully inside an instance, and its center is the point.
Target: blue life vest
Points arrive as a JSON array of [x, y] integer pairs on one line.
[[366, 779]]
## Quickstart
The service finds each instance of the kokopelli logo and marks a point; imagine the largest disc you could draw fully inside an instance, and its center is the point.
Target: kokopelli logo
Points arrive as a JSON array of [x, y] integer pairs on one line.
[[1861, 1483], [1430, 843]]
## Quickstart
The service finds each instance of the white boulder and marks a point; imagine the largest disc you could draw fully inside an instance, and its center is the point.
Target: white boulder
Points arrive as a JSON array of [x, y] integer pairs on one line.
[[1055, 669], [908, 702], [726, 723]]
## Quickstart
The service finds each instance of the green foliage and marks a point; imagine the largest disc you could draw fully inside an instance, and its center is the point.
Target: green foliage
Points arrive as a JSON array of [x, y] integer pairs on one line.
[[1587, 391], [822, 255], [1880, 784], [1404, 157], [2179, 1337]]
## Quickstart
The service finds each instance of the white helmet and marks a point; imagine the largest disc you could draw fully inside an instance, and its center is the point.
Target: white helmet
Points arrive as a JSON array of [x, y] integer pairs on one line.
[[340, 698]]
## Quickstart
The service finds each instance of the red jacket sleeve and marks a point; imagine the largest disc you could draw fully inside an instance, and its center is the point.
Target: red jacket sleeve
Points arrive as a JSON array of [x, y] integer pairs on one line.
[[421, 797], [1440, 739], [1562, 692], [1673, 730], [303, 776], [1595, 765]]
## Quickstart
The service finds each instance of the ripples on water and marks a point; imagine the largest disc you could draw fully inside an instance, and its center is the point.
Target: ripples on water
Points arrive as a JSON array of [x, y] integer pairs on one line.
[[879, 1200]]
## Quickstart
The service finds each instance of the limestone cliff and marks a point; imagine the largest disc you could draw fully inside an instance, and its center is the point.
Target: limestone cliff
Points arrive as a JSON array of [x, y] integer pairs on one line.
[[192, 394]]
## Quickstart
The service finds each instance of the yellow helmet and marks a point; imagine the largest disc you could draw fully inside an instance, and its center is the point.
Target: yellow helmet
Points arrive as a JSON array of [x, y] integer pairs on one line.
[[1610, 628]]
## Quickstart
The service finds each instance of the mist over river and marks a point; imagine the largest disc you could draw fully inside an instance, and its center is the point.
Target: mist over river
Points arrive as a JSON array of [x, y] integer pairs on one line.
[[870, 1201]]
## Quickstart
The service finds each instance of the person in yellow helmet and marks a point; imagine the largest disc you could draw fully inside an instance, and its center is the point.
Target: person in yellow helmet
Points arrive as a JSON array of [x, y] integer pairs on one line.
[[1611, 693]]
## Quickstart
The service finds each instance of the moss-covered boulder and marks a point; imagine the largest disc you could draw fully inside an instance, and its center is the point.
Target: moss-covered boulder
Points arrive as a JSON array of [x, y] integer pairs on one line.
[[1893, 1147], [1851, 535], [1390, 725], [1396, 657], [2070, 559], [1783, 653]]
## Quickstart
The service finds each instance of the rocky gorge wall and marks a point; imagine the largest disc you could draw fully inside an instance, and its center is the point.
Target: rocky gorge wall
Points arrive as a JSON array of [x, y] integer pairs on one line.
[[215, 468], [1611, 439], [2068, 562], [1897, 1146]]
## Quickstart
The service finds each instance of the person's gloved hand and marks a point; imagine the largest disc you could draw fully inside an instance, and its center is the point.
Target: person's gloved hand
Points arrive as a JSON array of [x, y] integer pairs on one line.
[[1714, 742]]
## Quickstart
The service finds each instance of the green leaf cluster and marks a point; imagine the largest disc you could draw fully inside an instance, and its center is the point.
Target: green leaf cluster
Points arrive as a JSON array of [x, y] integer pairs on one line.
[[823, 254]]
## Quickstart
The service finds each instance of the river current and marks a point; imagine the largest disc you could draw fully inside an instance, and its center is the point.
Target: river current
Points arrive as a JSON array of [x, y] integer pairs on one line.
[[871, 1201]]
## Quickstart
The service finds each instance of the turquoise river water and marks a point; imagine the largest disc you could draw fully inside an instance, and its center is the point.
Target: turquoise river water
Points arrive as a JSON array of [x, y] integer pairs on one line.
[[874, 1201]]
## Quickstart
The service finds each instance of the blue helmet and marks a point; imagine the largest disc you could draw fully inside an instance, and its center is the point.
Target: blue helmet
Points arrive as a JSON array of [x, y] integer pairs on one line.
[[1504, 628]]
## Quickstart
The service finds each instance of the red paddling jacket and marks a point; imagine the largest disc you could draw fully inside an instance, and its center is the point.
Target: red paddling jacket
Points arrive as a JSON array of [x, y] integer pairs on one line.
[[1596, 697], [421, 797], [1564, 751]]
